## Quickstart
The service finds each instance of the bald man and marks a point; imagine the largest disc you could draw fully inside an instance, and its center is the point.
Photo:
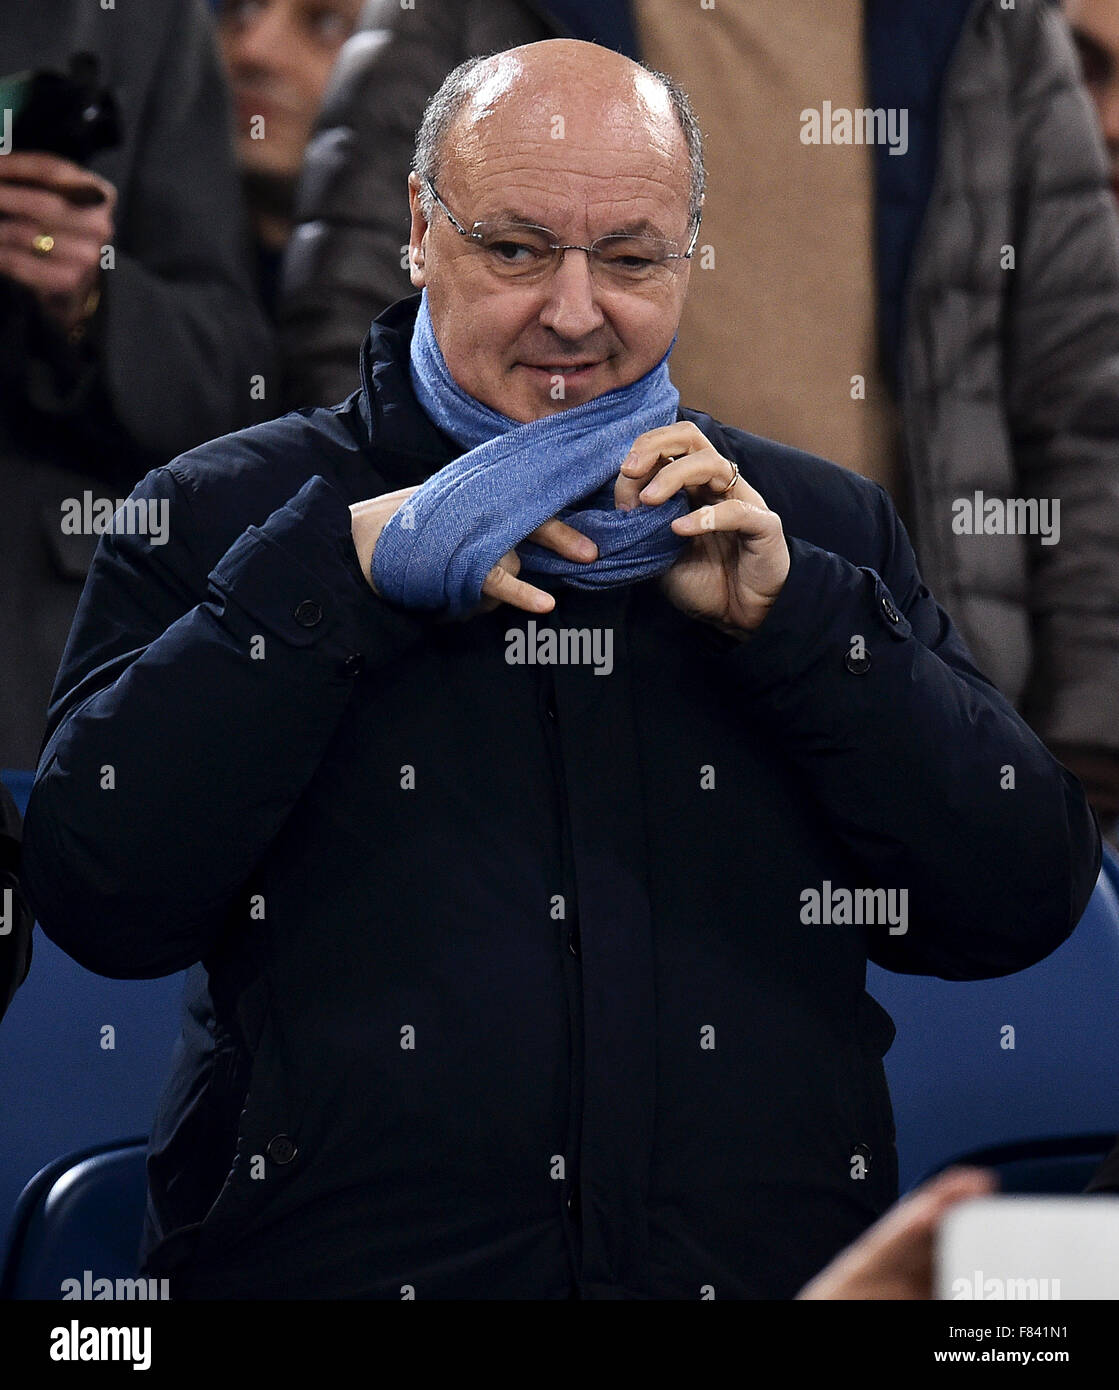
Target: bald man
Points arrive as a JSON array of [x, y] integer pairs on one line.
[[526, 767]]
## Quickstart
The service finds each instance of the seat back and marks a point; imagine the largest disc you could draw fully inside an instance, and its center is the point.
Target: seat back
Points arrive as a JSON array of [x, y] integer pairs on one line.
[[81, 1213], [1045, 1166], [993, 1063]]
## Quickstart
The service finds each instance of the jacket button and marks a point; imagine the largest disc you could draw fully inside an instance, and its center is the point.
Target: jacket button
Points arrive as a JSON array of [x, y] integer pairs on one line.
[[862, 1151], [890, 611], [281, 1149], [353, 665], [857, 664], [309, 613], [573, 1202], [573, 941]]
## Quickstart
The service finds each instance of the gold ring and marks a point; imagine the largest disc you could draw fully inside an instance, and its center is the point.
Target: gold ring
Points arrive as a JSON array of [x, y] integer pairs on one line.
[[43, 244], [733, 479]]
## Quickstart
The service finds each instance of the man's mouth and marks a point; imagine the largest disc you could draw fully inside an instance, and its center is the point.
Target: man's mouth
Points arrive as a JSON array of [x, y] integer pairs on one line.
[[568, 371]]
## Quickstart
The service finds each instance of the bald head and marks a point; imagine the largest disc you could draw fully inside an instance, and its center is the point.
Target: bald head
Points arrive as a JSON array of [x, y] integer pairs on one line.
[[558, 90], [572, 148]]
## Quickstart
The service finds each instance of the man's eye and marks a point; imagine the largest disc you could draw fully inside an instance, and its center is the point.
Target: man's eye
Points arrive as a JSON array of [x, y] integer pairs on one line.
[[329, 26], [513, 252], [632, 263], [241, 12]]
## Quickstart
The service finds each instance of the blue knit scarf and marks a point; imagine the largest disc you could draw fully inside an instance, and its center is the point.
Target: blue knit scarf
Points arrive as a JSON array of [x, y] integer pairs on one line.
[[436, 551]]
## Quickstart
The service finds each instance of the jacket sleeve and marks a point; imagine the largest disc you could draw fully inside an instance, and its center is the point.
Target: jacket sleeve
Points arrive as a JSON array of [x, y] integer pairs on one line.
[[920, 767], [345, 263], [179, 331], [190, 713], [1062, 375]]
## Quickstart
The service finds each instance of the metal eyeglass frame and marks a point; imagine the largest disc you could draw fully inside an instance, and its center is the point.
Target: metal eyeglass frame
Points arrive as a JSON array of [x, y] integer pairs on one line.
[[556, 246]]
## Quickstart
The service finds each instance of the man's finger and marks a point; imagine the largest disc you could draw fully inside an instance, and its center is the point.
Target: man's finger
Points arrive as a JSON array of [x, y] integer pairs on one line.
[[671, 441], [41, 205], [634, 477], [894, 1258], [506, 588], [49, 169], [41, 274], [650, 453], [705, 469], [20, 235], [564, 540], [746, 518]]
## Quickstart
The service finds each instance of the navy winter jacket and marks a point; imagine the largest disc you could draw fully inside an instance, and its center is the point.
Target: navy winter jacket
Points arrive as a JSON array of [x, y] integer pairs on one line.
[[504, 985]]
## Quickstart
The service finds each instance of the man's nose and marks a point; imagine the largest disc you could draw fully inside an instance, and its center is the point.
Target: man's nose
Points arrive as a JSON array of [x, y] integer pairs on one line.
[[572, 310]]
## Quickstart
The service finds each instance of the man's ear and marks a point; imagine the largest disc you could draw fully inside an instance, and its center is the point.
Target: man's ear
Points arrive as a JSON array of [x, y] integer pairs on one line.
[[417, 239]]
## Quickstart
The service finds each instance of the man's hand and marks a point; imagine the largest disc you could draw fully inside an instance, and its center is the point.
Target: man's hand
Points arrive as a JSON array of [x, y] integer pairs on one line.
[[65, 212], [894, 1258], [736, 566], [369, 519]]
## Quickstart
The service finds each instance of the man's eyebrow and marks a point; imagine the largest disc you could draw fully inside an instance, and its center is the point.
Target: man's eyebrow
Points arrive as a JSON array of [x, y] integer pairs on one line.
[[641, 227], [519, 218]]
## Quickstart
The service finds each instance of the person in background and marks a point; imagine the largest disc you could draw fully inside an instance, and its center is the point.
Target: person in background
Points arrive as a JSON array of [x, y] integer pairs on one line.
[[128, 328], [852, 299], [895, 1258], [1095, 28], [278, 55]]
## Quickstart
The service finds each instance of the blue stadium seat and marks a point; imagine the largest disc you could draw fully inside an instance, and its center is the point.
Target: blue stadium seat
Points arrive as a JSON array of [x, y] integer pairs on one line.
[[1045, 1166], [62, 1088], [82, 1212], [19, 784], [1043, 1106]]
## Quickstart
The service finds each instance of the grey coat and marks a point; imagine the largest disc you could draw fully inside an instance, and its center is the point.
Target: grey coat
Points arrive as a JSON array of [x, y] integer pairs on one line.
[[176, 339], [1011, 377]]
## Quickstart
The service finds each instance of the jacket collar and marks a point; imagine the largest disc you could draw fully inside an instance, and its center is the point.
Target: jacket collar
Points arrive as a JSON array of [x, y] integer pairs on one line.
[[409, 448]]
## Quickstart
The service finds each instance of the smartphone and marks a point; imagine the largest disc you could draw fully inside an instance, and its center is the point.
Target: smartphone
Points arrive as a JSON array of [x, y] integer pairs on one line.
[[1044, 1249], [68, 114]]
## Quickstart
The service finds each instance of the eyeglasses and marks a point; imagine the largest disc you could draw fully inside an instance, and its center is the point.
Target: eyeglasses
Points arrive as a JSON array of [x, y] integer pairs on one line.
[[521, 251]]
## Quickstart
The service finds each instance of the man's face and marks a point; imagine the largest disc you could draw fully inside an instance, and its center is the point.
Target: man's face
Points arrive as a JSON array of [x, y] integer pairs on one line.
[[1095, 27], [552, 159], [278, 54]]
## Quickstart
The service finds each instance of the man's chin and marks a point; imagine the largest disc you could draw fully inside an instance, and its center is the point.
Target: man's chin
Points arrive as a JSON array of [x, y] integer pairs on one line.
[[552, 389]]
